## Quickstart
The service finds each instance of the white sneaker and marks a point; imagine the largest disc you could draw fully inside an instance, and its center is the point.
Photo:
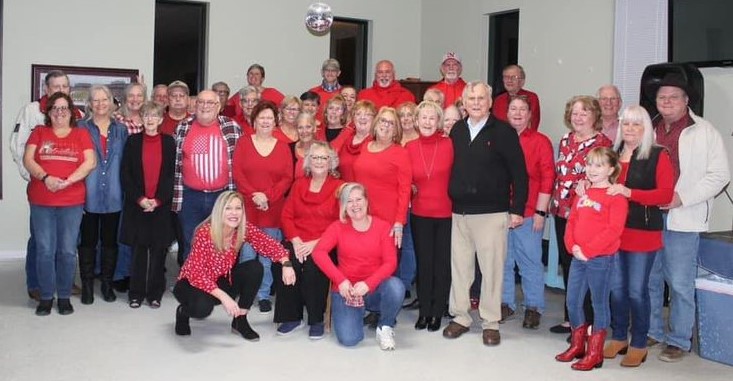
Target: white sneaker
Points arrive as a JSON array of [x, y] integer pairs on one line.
[[385, 338]]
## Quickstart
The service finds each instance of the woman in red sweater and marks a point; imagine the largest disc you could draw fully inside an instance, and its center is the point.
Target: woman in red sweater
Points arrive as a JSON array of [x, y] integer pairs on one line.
[[306, 126], [647, 181], [350, 142], [310, 208], [211, 274], [361, 280], [383, 167], [263, 173], [432, 158], [286, 130]]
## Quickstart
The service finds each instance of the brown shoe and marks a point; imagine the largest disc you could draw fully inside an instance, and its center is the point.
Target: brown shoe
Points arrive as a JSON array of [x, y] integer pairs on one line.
[[75, 290], [454, 330], [671, 354], [506, 313], [634, 357], [491, 337], [34, 294], [614, 348], [650, 342], [531, 318]]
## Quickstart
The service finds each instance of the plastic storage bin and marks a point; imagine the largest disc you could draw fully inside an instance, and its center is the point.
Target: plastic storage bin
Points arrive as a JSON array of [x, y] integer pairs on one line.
[[714, 309]]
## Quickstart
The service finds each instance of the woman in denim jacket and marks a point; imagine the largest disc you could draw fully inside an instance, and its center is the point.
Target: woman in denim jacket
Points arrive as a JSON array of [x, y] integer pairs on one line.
[[103, 202]]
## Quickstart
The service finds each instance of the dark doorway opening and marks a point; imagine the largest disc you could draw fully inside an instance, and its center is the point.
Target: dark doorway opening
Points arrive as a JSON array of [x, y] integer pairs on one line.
[[349, 44], [180, 43], [503, 46]]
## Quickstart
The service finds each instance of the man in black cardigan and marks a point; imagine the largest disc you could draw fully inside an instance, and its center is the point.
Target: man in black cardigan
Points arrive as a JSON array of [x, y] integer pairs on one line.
[[488, 187]]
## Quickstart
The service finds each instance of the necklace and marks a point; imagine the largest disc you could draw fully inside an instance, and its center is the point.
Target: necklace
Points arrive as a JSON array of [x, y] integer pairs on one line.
[[428, 171]]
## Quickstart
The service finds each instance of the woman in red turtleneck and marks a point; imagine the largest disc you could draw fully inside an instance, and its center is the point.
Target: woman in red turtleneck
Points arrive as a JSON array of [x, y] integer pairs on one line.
[[146, 219], [432, 158]]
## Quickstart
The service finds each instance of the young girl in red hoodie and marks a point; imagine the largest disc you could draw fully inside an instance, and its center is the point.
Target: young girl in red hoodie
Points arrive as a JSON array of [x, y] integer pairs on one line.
[[593, 237]]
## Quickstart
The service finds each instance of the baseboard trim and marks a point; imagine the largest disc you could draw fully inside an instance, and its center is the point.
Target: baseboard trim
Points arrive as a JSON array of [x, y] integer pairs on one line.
[[11, 255]]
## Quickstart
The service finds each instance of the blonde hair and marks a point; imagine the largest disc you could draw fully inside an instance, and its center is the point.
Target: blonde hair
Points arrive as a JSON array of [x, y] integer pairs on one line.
[[428, 105], [344, 114], [216, 220], [397, 138], [346, 190], [608, 156]]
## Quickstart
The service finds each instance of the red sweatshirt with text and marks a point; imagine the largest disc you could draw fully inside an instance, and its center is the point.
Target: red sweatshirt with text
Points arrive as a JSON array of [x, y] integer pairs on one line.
[[596, 222]]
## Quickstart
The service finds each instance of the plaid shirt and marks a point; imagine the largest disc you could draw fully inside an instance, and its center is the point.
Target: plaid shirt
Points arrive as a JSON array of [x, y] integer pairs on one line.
[[231, 131]]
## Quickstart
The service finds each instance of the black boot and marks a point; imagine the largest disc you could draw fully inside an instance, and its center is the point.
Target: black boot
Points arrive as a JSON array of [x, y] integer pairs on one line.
[[86, 271], [182, 326], [109, 263], [44, 307], [241, 326]]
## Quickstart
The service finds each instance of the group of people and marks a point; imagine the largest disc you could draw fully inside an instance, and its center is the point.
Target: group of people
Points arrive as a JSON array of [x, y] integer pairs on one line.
[[369, 192]]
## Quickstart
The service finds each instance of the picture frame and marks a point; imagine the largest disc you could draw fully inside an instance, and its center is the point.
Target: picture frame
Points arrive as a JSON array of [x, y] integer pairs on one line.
[[82, 78]]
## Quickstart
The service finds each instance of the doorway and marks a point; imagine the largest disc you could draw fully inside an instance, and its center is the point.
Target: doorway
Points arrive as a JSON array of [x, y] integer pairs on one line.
[[349, 45], [503, 46]]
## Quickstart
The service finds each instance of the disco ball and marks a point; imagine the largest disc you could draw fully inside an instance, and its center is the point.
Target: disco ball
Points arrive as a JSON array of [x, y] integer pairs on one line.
[[319, 18]]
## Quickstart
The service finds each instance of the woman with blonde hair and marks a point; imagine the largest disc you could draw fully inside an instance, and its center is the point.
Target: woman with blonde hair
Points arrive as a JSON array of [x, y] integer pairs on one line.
[[211, 274]]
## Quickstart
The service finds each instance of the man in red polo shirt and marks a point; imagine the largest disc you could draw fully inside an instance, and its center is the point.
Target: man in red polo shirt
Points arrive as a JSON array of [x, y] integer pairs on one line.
[[513, 77], [452, 84]]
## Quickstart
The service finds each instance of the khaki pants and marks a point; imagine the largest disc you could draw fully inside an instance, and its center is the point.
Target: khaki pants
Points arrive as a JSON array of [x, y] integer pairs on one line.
[[486, 236]]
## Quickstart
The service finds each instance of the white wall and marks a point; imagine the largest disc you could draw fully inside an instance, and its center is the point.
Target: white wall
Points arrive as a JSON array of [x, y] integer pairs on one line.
[[565, 46], [119, 34]]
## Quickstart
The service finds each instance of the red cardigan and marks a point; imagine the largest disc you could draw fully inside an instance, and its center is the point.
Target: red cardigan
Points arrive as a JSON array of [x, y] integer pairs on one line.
[[596, 222], [540, 163], [387, 176], [432, 160], [206, 265], [368, 256], [637, 240], [271, 175], [307, 214]]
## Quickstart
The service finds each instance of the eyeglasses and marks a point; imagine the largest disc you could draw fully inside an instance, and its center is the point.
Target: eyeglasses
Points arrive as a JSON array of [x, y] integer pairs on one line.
[[250, 101], [387, 122], [512, 77], [292, 109], [60, 109], [319, 157], [206, 103]]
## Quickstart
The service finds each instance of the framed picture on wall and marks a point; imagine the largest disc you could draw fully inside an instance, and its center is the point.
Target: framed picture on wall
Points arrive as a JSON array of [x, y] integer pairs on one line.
[[82, 78]]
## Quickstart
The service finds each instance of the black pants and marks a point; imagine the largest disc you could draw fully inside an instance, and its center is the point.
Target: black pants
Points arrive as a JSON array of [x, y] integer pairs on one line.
[[246, 279], [147, 277], [309, 291], [565, 259], [96, 227], [431, 237]]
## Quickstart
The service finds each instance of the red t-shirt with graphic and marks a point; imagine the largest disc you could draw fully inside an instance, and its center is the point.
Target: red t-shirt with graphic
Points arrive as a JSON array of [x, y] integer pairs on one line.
[[205, 164], [58, 157]]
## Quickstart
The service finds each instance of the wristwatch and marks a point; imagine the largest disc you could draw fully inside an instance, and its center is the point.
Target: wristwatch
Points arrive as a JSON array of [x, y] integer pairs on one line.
[[540, 212], [287, 264]]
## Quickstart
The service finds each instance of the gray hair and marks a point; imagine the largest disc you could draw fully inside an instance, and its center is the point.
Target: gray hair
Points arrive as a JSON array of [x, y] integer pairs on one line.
[[637, 114], [246, 90], [471, 85], [333, 158], [123, 108], [106, 91], [346, 189], [330, 63]]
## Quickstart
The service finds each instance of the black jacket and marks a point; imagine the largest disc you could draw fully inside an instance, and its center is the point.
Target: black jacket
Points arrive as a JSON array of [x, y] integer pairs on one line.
[[147, 228], [489, 174], [642, 174]]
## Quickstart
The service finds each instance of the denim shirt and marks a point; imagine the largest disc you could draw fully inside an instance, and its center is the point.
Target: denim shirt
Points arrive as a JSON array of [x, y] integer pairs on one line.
[[104, 188]]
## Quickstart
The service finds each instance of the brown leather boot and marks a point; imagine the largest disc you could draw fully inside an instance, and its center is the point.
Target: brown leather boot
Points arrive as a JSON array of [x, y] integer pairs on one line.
[[577, 345], [615, 347], [634, 357], [593, 354]]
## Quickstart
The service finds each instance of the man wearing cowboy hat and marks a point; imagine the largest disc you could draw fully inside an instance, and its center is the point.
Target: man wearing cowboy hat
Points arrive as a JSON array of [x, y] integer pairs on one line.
[[701, 171]]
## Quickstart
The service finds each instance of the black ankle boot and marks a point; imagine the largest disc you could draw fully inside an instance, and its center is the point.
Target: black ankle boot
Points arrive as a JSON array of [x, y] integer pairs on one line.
[[65, 307], [87, 291], [241, 326], [183, 328], [44, 307], [108, 292]]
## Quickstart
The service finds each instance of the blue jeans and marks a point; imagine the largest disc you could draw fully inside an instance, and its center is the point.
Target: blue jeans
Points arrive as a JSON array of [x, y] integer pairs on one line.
[[248, 253], [407, 267], [124, 262], [630, 294], [593, 275], [348, 321], [677, 265], [195, 208], [524, 246], [31, 274], [56, 230]]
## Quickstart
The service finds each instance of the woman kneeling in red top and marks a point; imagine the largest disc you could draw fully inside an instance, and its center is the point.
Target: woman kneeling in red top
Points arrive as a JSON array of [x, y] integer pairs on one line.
[[211, 274], [367, 257]]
